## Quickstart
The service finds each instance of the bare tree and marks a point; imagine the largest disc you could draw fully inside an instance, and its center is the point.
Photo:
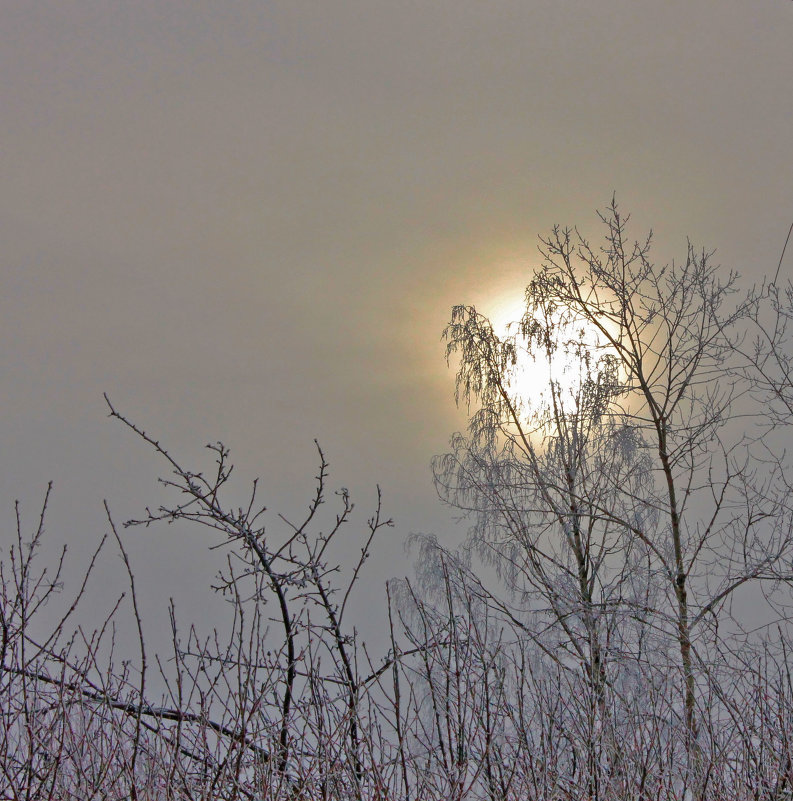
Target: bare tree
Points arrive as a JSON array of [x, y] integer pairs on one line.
[[295, 570], [638, 493], [671, 329]]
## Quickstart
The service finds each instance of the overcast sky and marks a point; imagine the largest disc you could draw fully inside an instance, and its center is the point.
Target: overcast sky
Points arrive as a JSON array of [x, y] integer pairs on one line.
[[248, 221]]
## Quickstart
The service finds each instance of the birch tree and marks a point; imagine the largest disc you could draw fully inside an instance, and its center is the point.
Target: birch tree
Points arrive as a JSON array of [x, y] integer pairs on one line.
[[642, 491]]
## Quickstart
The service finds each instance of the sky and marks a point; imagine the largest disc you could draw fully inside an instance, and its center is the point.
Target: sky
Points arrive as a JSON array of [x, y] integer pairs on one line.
[[248, 222]]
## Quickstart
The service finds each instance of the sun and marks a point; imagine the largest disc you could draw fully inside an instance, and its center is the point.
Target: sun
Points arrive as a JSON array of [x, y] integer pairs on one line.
[[536, 371]]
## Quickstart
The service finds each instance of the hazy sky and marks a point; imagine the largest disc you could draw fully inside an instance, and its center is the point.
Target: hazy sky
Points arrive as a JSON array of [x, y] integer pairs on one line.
[[248, 221]]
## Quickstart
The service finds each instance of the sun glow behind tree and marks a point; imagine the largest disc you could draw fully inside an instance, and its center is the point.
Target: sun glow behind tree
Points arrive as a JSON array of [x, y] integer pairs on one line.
[[555, 352]]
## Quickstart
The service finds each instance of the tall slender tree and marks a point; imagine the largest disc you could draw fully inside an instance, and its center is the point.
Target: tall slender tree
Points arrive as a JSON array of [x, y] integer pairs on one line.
[[633, 490]]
